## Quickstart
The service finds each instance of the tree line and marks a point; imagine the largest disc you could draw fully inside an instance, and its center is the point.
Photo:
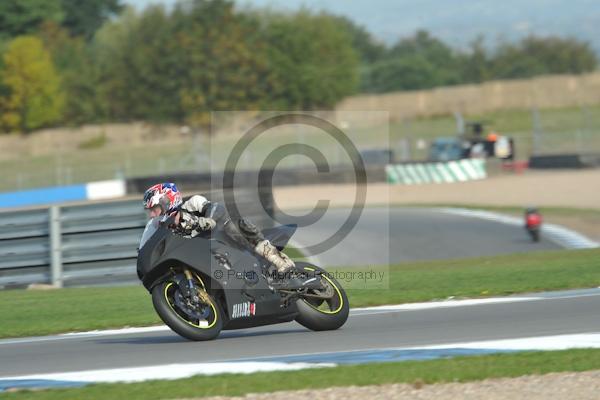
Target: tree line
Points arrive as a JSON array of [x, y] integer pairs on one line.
[[423, 61], [67, 62]]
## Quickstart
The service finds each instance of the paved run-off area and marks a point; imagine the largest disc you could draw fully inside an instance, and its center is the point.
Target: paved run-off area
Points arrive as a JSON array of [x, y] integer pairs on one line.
[[561, 188]]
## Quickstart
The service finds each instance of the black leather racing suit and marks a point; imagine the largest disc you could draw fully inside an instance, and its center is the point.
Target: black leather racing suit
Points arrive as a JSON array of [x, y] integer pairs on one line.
[[198, 214]]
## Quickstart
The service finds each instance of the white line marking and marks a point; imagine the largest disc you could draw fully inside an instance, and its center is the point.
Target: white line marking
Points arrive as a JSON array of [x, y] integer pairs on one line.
[[540, 343], [361, 311], [167, 371], [79, 335], [557, 342], [106, 332], [447, 304], [460, 303]]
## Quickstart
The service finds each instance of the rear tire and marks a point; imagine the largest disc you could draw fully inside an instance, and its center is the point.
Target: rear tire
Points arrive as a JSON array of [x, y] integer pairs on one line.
[[163, 301], [535, 235], [319, 315]]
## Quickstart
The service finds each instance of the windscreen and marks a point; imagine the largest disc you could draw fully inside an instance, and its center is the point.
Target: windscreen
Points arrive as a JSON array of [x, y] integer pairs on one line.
[[151, 228]]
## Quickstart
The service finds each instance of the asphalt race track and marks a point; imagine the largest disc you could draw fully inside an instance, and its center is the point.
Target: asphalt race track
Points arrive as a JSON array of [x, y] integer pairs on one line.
[[379, 328], [393, 235]]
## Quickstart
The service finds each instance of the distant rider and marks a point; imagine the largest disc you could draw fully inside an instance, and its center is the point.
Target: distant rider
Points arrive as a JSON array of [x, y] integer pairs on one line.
[[198, 214], [533, 218]]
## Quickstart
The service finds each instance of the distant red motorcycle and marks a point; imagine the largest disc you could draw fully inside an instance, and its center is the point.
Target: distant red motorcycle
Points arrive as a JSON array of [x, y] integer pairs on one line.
[[533, 223]]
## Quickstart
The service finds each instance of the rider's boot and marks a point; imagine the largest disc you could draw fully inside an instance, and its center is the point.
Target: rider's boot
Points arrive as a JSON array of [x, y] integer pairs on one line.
[[287, 275], [281, 261]]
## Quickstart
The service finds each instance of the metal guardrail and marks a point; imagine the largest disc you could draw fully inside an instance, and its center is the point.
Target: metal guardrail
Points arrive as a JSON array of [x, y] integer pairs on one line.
[[90, 244]]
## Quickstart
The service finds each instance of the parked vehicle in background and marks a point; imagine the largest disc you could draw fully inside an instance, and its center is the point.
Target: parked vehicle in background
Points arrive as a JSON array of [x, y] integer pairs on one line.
[[472, 143], [446, 149]]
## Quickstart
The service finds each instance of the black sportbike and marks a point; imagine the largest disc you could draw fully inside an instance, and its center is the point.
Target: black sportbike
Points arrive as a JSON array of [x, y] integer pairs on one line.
[[208, 283]]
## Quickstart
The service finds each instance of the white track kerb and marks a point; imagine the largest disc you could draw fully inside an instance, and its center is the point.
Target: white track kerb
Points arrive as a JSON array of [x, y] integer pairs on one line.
[[558, 234]]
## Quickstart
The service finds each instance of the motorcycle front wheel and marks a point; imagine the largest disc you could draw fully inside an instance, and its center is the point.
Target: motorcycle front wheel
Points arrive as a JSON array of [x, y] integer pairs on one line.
[[198, 321]]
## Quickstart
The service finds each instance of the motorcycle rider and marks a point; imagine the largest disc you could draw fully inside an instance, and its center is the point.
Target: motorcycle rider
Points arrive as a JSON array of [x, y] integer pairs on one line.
[[198, 214], [533, 218], [533, 222]]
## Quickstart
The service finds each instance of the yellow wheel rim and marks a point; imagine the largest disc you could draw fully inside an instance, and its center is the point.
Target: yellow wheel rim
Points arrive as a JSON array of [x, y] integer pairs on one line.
[[334, 286], [212, 306]]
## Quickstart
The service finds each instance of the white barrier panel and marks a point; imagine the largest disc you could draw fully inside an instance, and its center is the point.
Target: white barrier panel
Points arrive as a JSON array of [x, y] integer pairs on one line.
[[105, 190], [446, 172]]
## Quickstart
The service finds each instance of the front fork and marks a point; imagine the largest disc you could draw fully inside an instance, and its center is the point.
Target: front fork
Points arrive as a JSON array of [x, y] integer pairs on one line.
[[190, 279], [190, 289]]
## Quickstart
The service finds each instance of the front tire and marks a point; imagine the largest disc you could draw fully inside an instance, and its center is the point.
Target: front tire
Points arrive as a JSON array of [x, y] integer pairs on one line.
[[164, 297], [323, 315]]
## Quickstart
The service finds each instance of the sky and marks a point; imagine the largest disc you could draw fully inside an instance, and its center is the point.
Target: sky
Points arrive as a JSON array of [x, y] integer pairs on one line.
[[455, 21]]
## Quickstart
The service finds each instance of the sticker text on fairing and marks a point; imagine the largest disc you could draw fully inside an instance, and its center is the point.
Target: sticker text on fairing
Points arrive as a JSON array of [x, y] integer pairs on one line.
[[246, 309]]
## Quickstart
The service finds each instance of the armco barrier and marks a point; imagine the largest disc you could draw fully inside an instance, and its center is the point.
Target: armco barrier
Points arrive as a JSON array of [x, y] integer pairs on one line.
[[91, 191], [446, 172], [557, 161], [86, 244]]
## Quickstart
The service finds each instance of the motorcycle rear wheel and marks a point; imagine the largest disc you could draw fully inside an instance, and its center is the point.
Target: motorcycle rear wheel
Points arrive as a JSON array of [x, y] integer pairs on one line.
[[535, 235], [323, 314]]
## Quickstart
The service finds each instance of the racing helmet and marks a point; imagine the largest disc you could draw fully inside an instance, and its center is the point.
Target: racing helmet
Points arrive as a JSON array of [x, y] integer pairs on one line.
[[164, 195], [531, 210]]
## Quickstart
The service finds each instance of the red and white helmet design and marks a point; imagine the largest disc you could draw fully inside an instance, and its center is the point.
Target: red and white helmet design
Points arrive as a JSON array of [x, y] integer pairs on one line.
[[164, 195]]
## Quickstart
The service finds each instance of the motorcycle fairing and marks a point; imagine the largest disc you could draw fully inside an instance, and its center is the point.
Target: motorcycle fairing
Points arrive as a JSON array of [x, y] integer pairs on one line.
[[279, 236], [206, 255]]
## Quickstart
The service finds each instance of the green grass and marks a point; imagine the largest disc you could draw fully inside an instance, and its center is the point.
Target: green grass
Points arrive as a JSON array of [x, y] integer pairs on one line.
[[483, 277], [564, 130], [67, 310], [94, 143], [294, 253], [33, 313], [93, 164], [459, 369]]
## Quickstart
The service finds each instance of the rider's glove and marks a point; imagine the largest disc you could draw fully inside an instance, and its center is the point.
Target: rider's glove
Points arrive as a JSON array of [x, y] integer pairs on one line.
[[186, 226], [206, 224]]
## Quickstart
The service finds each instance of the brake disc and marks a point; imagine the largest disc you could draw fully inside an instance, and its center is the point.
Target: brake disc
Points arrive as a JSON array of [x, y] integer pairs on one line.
[[325, 293], [194, 311], [328, 291]]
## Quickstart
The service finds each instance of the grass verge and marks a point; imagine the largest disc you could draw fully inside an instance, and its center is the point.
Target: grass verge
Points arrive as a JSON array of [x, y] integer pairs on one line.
[[294, 253], [459, 369], [484, 277], [68, 310]]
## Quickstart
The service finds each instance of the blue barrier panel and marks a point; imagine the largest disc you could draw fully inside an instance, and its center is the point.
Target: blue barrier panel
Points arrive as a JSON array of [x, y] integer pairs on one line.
[[43, 196]]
